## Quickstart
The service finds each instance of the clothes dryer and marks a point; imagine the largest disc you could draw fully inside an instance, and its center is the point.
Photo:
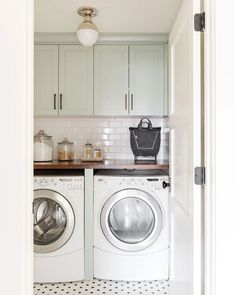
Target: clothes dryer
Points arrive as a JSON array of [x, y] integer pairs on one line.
[[131, 226], [58, 228]]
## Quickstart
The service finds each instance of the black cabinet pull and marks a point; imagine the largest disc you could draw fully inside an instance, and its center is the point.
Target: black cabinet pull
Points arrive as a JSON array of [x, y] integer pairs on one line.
[[54, 101], [126, 102], [61, 102], [132, 102]]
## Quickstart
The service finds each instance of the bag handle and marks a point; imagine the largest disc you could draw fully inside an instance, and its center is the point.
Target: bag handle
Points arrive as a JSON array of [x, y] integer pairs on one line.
[[140, 126]]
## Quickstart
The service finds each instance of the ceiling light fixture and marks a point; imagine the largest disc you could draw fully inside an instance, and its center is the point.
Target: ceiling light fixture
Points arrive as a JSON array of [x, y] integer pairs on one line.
[[87, 31]]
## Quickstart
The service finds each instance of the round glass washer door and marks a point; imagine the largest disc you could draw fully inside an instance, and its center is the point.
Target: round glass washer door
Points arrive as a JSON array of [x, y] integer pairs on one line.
[[53, 221], [131, 220]]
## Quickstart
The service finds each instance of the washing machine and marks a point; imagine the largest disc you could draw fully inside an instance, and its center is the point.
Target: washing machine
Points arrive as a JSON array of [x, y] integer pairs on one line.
[[131, 225], [58, 228]]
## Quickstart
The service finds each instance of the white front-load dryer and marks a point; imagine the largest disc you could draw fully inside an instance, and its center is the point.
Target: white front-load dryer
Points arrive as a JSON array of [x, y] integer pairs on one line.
[[58, 228], [131, 226]]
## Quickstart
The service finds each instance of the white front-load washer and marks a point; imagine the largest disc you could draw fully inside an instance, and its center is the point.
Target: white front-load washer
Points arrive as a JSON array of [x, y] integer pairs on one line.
[[58, 228], [131, 225]]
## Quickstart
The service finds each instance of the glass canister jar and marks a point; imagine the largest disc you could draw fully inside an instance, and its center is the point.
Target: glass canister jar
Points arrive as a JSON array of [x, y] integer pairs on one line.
[[42, 147], [97, 151], [65, 150], [88, 151]]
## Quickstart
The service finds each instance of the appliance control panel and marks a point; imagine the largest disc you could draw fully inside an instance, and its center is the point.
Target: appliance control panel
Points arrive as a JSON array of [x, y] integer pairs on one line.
[[158, 184], [155, 183], [68, 183]]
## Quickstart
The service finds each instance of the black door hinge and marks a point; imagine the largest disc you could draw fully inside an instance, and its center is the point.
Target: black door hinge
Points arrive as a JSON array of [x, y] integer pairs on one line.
[[199, 22], [200, 175]]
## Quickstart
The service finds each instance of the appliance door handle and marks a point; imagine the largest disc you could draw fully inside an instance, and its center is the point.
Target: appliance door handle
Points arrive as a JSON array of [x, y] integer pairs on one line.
[[132, 101], [61, 101], [54, 101], [126, 102]]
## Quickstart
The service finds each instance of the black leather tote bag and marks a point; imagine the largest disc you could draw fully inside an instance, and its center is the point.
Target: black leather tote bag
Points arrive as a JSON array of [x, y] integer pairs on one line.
[[145, 141]]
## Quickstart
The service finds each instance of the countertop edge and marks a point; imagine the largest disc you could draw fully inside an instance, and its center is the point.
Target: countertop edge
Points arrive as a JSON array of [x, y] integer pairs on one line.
[[108, 164]]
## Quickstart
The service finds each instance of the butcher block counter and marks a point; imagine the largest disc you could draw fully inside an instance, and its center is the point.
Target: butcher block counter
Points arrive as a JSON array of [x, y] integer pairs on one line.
[[106, 164]]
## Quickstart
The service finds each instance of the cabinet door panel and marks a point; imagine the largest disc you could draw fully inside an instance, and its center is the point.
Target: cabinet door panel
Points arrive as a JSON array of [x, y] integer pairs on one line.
[[147, 80], [75, 80], [46, 80], [111, 80]]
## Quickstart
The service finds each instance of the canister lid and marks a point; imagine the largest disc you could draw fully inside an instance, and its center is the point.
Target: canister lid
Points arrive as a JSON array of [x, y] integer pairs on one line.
[[88, 144], [42, 135], [66, 141]]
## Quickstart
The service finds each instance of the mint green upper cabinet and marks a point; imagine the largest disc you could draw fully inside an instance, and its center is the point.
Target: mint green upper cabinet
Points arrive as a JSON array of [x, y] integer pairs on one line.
[[130, 80], [147, 80], [111, 80], [127, 80], [63, 80], [45, 79], [75, 80]]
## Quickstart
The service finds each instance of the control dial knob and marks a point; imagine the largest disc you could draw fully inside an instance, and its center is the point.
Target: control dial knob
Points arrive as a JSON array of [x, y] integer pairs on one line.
[[165, 184], [43, 181]]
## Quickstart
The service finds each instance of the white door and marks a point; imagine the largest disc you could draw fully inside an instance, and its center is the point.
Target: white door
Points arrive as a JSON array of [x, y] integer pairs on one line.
[[75, 80], [185, 152]]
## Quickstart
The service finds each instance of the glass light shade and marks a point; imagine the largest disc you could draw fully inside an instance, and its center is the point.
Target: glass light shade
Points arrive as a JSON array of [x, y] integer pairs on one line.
[[87, 33]]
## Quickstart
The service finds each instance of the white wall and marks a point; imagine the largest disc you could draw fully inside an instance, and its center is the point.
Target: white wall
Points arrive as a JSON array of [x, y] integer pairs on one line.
[[16, 41], [225, 149]]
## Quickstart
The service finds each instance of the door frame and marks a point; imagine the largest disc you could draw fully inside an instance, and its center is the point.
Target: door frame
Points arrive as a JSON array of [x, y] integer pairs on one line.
[[17, 32], [219, 147], [209, 148], [16, 118]]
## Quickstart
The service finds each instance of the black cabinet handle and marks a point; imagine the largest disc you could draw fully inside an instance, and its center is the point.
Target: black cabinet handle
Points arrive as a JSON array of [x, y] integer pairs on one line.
[[54, 101], [61, 102], [132, 101], [126, 102]]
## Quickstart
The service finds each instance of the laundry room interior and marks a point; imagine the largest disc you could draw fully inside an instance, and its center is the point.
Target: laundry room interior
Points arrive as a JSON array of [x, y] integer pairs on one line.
[[118, 147]]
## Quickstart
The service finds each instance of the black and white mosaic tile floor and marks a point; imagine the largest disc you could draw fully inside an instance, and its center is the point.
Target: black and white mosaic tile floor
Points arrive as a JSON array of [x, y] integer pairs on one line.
[[100, 287]]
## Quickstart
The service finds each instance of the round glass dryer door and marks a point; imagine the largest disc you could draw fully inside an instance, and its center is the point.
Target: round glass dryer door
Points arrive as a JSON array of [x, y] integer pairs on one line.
[[131, 220], [53, 221]]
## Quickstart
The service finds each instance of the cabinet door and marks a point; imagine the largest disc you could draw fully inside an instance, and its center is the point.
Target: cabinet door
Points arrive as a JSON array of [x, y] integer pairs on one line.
[[147, 80], [111, 80], [46, 80], [75, 80]]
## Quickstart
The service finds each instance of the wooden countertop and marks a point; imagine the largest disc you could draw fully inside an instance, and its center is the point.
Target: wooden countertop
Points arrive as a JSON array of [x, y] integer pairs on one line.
[[106, 164]]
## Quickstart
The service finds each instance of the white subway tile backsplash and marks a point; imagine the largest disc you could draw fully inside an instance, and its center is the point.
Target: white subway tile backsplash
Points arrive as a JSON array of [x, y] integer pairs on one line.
[[111, 133], [115, 149], [126, 149], [110, 156], [121, 130], [125, 136], [107, 143], [121, 142], [101, 137], [115, 136], [108, 130], [115, 123]]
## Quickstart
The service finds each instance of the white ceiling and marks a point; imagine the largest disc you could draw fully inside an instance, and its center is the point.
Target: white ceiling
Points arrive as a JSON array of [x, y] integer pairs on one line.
[[141, 16]]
